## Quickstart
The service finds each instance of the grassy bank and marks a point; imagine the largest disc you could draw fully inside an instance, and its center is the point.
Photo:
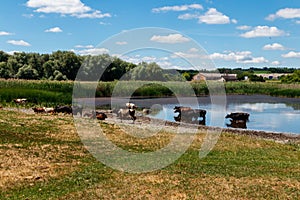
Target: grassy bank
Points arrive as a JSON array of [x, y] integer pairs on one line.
[[42, 158], [37, 92], [60, 92], [267, 88]]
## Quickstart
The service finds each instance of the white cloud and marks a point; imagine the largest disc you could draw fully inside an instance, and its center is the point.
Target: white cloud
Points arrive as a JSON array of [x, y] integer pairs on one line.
[[264, 31], [186, 55], [212, 16], [84, 46], [234, 21], [3, 33], [95, 14], [188, 16], [276, 63], [274, 46], [121, 43], [193, 50], [54, 30], [244, 57], [18, 43], [191, 53], [28, 15], [286, 13], [170, 39], [136, 59], [73, 8], [165, 64], [104, 23], [244, 28], [291, 54], [178, 8], [92, 51], [12, 52]]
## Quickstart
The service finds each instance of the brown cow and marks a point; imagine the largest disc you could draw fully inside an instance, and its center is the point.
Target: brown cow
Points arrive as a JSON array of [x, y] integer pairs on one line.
[[38, 110], [101, 115]]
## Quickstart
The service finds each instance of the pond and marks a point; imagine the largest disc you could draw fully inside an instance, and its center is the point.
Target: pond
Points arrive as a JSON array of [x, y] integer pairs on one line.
[[275, 117], [267, 113]]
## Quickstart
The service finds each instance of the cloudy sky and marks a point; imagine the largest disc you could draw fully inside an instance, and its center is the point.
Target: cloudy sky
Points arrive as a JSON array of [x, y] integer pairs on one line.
[[233, 33]]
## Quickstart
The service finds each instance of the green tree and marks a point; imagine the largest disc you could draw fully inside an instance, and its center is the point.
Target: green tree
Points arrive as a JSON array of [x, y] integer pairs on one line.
[[293, 78], [5, 72], [48, 69], [148, 72], [3, 56], [27, 72], [68, 63], [58, 76], [187, 76]]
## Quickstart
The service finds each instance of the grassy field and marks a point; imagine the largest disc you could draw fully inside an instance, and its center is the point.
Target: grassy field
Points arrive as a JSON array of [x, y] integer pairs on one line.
[[42, 157]]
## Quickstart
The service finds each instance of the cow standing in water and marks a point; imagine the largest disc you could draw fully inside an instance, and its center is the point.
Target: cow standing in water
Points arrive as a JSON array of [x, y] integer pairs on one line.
[[238, 116], [238, 120], [189, 115]]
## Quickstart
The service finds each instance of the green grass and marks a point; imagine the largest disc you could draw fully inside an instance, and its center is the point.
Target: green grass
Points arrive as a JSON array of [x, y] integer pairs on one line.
[[51, 93], [46, 160], [46, 93], [268, 88]]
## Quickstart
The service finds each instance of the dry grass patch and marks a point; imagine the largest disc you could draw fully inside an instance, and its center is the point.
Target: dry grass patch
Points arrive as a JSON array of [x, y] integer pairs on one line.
[[36, 148], [41, 157]]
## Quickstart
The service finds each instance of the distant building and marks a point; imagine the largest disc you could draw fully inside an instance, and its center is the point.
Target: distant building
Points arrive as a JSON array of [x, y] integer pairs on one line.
[[273, 76], [215, 77], [230, 77]]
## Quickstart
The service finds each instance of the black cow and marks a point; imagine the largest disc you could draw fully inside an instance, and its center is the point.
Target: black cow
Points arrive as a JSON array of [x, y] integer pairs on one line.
[[238, 116], [127, 113], [189, 115], [77, 109], [63, 109]]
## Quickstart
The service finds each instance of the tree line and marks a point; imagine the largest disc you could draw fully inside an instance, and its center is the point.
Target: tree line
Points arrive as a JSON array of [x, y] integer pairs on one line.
[[66, 65]]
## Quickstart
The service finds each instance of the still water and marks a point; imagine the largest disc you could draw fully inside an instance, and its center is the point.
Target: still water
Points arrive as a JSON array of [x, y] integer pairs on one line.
[[272, 114], [267, 113]]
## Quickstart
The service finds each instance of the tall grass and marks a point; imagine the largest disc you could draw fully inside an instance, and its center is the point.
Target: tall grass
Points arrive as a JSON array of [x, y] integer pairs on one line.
[[268, 88], [60, 92], [37, 92]]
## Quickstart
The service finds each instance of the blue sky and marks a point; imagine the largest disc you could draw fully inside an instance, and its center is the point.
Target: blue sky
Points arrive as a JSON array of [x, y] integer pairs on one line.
[[234, 33]]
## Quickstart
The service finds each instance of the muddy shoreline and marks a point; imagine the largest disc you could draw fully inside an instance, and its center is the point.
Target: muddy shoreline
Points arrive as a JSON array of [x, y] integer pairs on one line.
[[148, 102], [276, 136]]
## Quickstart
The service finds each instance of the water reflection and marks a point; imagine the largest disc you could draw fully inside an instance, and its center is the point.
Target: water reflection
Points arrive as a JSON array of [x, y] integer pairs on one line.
[[275, 117], [237, 124]]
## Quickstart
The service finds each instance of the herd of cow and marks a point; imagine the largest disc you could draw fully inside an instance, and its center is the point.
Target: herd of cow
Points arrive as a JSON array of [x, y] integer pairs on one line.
[[184, 114]]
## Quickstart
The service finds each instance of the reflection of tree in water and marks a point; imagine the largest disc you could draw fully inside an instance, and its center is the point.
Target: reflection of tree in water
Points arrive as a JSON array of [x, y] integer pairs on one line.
[[295, 106]]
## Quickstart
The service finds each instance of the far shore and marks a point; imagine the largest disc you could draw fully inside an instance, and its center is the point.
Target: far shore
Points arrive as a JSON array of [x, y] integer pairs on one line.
[[149, 101]]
